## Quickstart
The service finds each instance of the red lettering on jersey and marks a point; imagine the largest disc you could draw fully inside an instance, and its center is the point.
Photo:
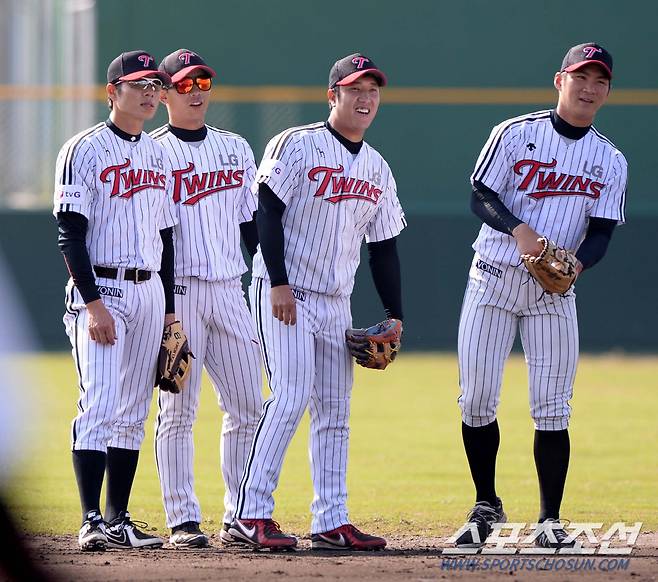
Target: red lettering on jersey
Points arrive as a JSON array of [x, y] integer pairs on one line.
[[199, 186], [534, 167], [582, 184], [567, 182], [341, 184], [224, 181], [595, 187], [131, 178], [223, 177], [116, 178], [328, 172], [133, 181], [554, 184], [342, 188], [550, 180], [178, 180], [196, 183]]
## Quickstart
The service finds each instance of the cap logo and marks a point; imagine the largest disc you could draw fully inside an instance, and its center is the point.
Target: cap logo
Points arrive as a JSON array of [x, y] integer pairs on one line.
[[145, 59], [590, 51], [360, 61], [186, 57]]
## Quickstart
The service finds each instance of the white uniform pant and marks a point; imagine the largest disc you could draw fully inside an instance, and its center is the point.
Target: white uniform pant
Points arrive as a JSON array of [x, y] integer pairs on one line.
[[307, 365], [221, 334], [499, 299], [115, 381]]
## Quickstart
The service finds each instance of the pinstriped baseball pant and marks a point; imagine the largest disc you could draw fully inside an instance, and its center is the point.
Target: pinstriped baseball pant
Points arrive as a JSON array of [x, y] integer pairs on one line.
[[500, 299], [115, 381], [221, 334], [308, 366]]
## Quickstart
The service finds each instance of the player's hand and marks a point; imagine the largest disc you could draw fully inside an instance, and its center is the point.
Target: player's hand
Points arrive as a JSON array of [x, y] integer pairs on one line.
[[526, 240], [284, 307], [169, 319], [101, 323]]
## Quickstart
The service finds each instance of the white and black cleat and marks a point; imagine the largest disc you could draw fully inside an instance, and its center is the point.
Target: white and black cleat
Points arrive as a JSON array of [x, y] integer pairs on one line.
[[92, 536], [123, 534]]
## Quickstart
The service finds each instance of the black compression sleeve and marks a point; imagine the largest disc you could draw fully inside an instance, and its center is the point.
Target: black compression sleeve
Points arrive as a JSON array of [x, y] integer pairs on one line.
[[72, 244], [167, 268], [385, 267], [595, 244], [249, 232], [270, 233], [486, 204]]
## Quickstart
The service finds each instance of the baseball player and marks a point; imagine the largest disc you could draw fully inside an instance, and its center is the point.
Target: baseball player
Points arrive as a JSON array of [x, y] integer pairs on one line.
[[212, 172], [321, 190], [547, 173], [115, 214]]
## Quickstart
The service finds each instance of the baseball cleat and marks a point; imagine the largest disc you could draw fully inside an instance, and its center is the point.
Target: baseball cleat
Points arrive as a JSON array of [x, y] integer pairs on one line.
[[346, 537], [188, 535], [229, 540], [122, 534], [553, 536], [481, 517], [262, 533], [92, 536]]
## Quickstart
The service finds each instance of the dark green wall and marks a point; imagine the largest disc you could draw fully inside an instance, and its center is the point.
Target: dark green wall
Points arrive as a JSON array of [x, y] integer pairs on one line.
[[616, 300], [431, 148], [474, 43], [433, 43]]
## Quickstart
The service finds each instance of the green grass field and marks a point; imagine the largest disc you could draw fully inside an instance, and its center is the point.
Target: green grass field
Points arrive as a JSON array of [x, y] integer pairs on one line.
[[407, 469]]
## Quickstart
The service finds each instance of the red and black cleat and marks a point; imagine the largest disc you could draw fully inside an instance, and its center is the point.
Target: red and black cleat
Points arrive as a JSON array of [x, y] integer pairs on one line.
[[262, 534], [346, 537]]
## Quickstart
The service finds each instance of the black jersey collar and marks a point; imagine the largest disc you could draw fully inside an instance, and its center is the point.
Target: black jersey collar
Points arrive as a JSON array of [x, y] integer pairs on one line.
[[566, 129], [354, 147], [123, 134], [189, 134]]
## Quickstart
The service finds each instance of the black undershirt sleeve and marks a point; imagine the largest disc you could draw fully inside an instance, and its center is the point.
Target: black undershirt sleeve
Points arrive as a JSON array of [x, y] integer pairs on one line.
[[486, 204], [270, 233], [595, 243], [385, 267], [249, 233], [72, 243], [167, 269]]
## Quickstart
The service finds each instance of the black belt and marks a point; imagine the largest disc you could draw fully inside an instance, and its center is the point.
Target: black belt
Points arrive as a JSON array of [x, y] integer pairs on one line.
[[136, 275]]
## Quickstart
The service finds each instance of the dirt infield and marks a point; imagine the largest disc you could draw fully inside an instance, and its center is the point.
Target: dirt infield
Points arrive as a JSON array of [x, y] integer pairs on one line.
[[407, 558]]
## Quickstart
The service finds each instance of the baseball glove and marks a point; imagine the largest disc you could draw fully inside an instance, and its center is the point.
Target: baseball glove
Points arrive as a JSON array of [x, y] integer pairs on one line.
[[174, 360], [554, 268], [376, 346]]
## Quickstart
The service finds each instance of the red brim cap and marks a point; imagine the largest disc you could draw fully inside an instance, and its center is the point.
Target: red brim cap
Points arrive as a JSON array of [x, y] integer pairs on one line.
[[179, 75], [581, 64], [166, 79], [354, 76]]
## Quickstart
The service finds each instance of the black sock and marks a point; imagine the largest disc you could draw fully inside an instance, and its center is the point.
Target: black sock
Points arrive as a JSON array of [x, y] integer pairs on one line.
[[121, 467], [552, 460], [89, 467], [481, 445]]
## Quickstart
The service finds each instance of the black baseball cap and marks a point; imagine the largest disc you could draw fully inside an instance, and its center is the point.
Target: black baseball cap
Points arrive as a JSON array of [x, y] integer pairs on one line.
[[181, 63], [350, 68], [585, 54], [134, 65]]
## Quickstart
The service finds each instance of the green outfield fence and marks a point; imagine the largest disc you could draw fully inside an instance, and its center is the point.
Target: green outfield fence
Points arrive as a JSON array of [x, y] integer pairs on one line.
[[455, 69]]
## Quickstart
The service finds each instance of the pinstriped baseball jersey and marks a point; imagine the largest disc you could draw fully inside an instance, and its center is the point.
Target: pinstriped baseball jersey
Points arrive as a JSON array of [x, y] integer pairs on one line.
[[333, 200], [212, 192], [551, 182], [124, 191], [212, 189]]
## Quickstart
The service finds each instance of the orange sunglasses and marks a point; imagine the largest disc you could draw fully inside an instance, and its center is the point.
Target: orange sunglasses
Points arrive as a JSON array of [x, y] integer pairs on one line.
[[185, 85]]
